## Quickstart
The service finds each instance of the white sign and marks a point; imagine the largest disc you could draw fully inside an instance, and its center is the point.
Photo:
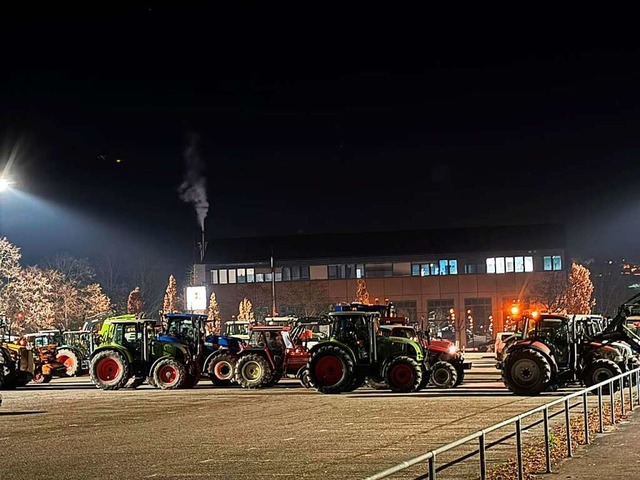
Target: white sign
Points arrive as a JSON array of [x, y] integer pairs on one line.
[[196, 298]]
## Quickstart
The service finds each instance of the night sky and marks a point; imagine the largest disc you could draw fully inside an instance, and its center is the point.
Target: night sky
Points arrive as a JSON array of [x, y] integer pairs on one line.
[[315, 121]]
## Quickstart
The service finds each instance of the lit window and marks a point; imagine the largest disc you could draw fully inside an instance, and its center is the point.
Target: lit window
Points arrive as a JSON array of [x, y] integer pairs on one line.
[[434, 268], [491, 265], [223, 276], [508, 264], [557, 262], [444, 267], [415, 270], [259, 277], [214, 276], [268, 277], [453, 267], [360, 270], [546, 264], [278, 276], [251, 275], [424, 270], [528, 264], [519, 264], [232, 276], [242, 278], [499, 264]]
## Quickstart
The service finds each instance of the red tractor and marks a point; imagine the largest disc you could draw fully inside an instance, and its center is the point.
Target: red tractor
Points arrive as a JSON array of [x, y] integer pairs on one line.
[[270, 354]]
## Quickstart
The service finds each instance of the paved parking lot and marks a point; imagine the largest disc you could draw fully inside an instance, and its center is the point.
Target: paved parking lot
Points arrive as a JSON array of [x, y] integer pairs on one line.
[[69, 429]]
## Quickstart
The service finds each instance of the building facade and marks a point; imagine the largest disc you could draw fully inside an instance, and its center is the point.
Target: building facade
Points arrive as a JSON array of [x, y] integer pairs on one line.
[[475, 276]]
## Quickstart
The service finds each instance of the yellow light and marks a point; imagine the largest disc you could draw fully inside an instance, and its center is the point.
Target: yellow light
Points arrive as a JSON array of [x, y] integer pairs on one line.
[[515, 310], [535, 314]]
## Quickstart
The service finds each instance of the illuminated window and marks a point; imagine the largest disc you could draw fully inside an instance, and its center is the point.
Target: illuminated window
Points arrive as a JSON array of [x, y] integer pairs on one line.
[[519, 264], [444, 267], [499, 264], [546, 263], [232, 276], [453, 267], [268, 277], [508, 264], [491, 265], [242, 276], [415, 270], [360, 270], [434, 269], [278, 274], [222, 274], [214, 276], [259, 277], [250, 275], [528, 264], [557, 262]]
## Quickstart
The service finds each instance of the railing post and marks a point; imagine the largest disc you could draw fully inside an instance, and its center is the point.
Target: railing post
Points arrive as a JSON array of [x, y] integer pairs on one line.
[[567, 420], [547, 452], [622, 397], [483, 458], [600, 414], [613, 403], [630, 385], [432, 467], [519, 448], [586, 418]]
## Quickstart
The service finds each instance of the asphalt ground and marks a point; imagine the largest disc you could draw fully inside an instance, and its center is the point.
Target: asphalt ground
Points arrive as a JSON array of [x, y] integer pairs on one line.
[[68, 429]]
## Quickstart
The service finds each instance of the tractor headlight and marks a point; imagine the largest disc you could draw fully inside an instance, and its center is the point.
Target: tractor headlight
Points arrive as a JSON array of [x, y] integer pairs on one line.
[[453, 350]]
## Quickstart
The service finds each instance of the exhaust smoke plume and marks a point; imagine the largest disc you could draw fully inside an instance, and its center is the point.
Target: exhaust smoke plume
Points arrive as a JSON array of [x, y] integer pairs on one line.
[[193, 188]]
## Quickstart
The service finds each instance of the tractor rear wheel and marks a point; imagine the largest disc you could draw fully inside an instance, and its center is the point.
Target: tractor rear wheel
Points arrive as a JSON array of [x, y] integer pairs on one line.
[[70, 360], [253, 371], [169, 374], [109, 370], [403, 374], [358, 381], [526, 372], [443, 375], [599, 370], [222, 369], [426, 377], [331, 369]]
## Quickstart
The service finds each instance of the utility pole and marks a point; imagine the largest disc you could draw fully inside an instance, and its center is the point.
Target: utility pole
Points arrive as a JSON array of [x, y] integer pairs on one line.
[[274, 312]]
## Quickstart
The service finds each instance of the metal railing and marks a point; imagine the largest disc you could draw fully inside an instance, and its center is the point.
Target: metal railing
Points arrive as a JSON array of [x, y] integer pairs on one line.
[[481, 436]]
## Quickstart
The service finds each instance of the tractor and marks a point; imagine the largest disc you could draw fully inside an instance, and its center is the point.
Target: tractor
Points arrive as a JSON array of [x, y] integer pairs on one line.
[[17, 365], [237, 328], [216, 355], [273, 352], [130, 352], [357, 351], [447, 361], [553, 351]]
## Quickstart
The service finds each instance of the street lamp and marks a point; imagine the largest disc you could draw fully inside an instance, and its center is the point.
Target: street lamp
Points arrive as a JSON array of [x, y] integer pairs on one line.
[[5, 183]]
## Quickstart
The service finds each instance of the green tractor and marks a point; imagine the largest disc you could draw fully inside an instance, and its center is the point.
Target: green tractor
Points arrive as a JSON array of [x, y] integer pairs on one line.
[[356, 352], [129, 353]]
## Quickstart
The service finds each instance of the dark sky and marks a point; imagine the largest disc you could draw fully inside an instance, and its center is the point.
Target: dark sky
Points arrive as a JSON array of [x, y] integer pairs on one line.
[[316, 120]]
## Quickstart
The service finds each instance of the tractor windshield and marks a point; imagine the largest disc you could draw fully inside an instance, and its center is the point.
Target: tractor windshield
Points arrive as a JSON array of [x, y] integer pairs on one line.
[[236, 328]]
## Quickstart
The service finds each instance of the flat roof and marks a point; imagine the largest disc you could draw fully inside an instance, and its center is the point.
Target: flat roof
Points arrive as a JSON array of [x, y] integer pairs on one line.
[[386, 243]]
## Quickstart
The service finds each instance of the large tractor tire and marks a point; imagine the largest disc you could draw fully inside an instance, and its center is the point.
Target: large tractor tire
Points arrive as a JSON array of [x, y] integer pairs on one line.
[[169, 374], [403, 374], [222, 369], [253, 371], [357, 382], [69, 359], [460, 378], [109, 370], [599, 370], [331, 369], [426, 378], [443, 375], [526, 372], [303, 376], [192, 380]]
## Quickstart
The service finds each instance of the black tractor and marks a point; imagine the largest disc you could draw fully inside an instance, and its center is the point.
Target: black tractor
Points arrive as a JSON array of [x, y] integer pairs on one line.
[[356, 351]]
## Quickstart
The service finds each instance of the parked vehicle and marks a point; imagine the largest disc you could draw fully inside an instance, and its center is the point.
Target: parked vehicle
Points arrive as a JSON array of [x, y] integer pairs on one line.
[[130, 351], [17, 365], [237, 328], [356, 351]]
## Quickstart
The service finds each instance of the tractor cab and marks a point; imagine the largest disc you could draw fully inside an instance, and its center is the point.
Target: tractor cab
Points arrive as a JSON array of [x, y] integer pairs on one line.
[[237, 329]]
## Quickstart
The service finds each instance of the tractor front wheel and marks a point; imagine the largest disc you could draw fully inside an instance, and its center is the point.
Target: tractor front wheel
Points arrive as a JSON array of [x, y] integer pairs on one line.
[[169, 374], [403, 374], [460, 371], [70, 360], [331, 369], [253, 371], [39, 377], [443, 375], [109, 370], [526, 372], [222, 369], [600, 370]]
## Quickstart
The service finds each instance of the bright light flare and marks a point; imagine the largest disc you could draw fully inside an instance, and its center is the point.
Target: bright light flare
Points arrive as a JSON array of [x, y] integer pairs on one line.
[[5, 184]]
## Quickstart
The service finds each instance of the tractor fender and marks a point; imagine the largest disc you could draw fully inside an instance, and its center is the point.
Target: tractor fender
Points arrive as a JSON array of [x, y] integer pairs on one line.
[[73, 348], [604, 351], [396, 355], [117, 348], [332, 342]]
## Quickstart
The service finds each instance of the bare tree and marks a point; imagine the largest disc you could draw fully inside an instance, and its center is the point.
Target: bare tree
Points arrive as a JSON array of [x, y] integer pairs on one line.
[[550, 292], [305, 299], [77, 271]]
